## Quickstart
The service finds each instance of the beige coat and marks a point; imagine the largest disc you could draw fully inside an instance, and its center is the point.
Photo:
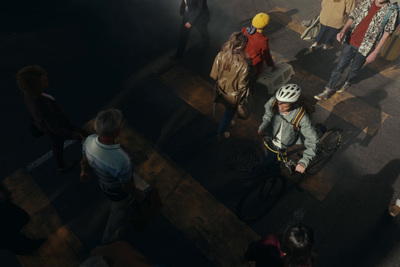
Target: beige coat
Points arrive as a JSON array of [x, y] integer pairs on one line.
[[231, 84], [334, 14]]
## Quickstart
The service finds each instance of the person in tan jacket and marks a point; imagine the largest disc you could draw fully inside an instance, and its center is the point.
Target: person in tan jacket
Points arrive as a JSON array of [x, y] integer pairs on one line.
[[332, 17], [231, 70]]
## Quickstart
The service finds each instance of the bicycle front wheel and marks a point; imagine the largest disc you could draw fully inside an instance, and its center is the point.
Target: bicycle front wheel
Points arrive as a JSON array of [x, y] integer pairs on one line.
[[327, 147], [259, 198]]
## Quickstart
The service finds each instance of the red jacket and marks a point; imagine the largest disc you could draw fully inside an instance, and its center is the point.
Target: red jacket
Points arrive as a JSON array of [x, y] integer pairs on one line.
[[258, 50]]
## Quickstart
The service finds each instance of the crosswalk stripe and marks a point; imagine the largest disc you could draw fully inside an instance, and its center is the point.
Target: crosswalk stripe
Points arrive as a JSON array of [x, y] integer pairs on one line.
[[212, 227], [63, 246], [199, 94]]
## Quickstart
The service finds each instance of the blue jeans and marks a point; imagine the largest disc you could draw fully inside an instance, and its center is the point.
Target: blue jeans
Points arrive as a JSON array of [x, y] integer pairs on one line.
[[349, 52], [330, 34], [270, 160], [226, 120]]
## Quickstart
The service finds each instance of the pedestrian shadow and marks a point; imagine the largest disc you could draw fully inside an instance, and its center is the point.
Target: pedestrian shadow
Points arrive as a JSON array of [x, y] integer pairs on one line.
[[376, 231], [357, 226], [367, 118]]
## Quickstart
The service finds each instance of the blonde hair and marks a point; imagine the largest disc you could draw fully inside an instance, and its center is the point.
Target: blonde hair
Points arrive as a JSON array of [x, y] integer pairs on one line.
[[233, 50], [29, 80]]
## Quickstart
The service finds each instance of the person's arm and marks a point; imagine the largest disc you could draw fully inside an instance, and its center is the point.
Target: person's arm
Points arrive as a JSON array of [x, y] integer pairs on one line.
[[350, 5], [267, 57], [131, 189], [85, 170], [310, 142], [244, 78], [269, 113], [200, 7], [215, 68], [372, 56], [341, 34]]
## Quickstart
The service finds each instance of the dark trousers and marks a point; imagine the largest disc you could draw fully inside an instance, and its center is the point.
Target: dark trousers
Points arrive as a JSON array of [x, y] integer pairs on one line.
[[226, 120], [184, 36], [349, 52], [57, 143], [329, 34]]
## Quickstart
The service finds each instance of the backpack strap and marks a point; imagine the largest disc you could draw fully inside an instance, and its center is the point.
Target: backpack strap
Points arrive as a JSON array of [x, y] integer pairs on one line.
[[274, 105], [297, 118], [386, 18], [296, 121]]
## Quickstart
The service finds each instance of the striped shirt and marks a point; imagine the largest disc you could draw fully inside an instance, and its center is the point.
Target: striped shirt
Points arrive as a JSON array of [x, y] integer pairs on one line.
[[111, 164]]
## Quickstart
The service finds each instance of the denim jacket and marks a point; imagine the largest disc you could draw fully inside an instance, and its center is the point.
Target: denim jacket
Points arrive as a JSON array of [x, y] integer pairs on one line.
[[290, 136]]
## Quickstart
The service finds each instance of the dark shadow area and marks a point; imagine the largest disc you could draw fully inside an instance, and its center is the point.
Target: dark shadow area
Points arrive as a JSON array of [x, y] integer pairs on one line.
[[365, 121], [359, 226]]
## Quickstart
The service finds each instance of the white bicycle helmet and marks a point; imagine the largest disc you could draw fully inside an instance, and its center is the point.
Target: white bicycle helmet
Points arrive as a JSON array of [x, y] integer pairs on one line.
[[289, 93]]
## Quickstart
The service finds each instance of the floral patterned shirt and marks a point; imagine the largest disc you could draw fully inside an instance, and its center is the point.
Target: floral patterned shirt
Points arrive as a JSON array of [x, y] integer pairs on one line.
[[374, 28]]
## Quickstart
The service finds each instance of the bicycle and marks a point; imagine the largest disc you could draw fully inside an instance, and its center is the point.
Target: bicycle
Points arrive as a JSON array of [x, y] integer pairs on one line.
[[262, 195]]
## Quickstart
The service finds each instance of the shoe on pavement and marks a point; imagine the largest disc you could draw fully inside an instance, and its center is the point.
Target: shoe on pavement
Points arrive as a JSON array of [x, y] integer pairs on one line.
[[313, 46], [345, 86], [325, 47], [394, 210], [66, 167], [324, 94], [225, 135], [232, 123]]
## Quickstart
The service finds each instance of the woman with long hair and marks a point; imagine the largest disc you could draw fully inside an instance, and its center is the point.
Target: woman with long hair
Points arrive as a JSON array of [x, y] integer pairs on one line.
[[231, 70]]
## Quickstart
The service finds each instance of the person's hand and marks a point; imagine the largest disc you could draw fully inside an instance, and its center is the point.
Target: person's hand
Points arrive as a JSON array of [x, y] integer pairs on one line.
[[300, 168], [339, 36], [85, 176], [371, 57], [188, 25], [76, 136], [261, 133]]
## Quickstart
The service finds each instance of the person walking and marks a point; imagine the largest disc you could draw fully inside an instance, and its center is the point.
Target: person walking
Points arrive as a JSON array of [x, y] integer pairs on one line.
[[332, 18], [292, 248], [194, 13], [363, 43], [113, 167], [258, 45], [46, 113], [231, 70]]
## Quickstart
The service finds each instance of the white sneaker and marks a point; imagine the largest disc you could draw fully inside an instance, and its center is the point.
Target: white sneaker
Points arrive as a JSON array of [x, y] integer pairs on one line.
[[345, 86], [324, 94]]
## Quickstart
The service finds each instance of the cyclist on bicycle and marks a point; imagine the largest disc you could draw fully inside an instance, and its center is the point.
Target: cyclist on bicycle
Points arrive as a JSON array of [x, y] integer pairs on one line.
[[280, 113]]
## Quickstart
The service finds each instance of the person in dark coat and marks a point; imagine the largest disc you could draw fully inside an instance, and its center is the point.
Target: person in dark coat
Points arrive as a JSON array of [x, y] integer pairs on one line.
[[13, 218], [46, 113], [194, 13]]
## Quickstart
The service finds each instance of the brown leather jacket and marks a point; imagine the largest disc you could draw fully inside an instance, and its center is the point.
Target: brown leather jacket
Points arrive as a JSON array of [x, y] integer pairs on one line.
[[231, 84]]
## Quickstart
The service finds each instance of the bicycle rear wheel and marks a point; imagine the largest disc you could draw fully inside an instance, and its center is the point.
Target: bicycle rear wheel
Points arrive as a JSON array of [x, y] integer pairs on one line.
[[259, 198], [327, 147]]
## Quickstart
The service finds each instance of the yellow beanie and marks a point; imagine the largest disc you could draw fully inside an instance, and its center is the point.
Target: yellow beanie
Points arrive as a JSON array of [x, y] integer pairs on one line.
[[260, 21]]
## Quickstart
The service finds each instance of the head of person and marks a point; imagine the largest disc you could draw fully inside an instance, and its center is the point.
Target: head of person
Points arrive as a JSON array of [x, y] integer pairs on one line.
[[260, 21], [108, 123], [234, 48], [287, 96], [297, 243], [32, 80]]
